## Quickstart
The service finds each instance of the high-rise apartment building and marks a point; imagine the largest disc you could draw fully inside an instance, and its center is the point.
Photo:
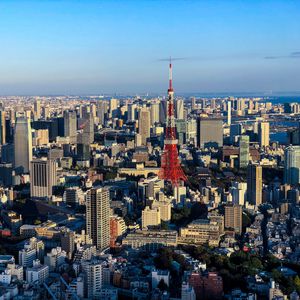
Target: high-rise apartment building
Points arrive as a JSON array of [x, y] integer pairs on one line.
[[292, 165], [22, 144], [244, 151], [70, 125], [229, 113], [233, 217], [264, 134], [254, 184], [209, 132], [97, 216], [42, 178], [144, 124]]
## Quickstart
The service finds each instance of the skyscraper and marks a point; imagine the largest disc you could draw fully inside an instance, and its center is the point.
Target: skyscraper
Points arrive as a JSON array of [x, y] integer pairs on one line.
[[209, 132], [254, 184], [179, 109], [70, 125], [264, 134], [2, 127], [229, 112], [154, 111], [244, 151], [97, 216], [292, 165], [42, 178], [37, 109], [144, 124], [22, 144]]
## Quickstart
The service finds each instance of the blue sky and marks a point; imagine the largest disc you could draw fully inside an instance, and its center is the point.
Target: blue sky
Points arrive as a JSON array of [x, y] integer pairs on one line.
[[91, 47]]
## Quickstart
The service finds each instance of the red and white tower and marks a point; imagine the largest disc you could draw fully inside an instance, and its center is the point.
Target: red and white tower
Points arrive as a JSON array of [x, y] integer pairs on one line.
[[170, 164]]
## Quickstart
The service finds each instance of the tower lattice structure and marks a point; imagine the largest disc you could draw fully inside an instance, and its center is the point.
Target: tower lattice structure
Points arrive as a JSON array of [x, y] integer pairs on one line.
[[170, 165]]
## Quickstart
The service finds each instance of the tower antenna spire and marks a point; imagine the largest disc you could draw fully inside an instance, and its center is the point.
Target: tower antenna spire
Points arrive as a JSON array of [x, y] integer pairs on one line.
[[170, 164], [170, 76]]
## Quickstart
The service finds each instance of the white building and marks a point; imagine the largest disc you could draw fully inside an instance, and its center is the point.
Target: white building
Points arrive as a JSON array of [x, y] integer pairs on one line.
[[55, 259], [158, 275], [38, 273]]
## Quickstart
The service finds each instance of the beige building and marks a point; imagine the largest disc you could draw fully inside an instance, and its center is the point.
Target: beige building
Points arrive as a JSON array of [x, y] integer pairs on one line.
[[264, 134], [165, 209], [144, 125], [233, 217], [151, 217], [40, 137], [201, 232]]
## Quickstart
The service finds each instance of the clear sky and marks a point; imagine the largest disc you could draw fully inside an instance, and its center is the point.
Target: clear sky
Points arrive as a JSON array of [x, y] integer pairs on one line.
[[92, 47]]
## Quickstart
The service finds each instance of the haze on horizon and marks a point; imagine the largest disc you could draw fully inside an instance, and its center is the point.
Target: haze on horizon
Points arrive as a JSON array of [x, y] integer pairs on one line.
[[94, 47]]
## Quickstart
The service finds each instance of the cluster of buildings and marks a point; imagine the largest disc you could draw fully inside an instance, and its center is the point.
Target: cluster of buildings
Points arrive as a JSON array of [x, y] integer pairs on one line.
[[84, 193]]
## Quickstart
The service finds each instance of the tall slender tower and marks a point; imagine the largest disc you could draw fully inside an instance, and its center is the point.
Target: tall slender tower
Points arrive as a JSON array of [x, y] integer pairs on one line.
[[170, 164]]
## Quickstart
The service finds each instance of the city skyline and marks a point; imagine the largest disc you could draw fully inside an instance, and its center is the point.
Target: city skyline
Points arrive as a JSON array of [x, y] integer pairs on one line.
[[88, 47]]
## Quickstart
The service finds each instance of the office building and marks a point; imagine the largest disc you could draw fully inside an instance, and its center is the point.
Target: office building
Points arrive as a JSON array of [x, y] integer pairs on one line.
[[201, 232], [239, 192], [33, 249], [37, 109], [70, 125], [42, 178], [264, 134], [233, 217], [243, 151], [179, 109], [292, 165], [229, 113], [154, 113], [151, 240], [2, 127], [22, 145], [209, 132], [144, 124], [113, 108], [97, 216], [254, 184]]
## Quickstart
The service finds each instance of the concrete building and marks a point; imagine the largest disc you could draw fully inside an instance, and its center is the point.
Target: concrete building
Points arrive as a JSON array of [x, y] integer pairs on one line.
[[244, 151], [158, 275], [200, 232], [55, 259], [292, 165], [264, 134], [144, 124], [151, 240], [179, 109], [2, 127], [209, 132], [23, 145], [97, 217], [38, 273], [254, 184], [70, 126], [43, 178], [151, 217], [233, 217]]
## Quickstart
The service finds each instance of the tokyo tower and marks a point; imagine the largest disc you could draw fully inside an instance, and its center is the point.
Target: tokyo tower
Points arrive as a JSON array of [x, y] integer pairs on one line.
[[170, 164]]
